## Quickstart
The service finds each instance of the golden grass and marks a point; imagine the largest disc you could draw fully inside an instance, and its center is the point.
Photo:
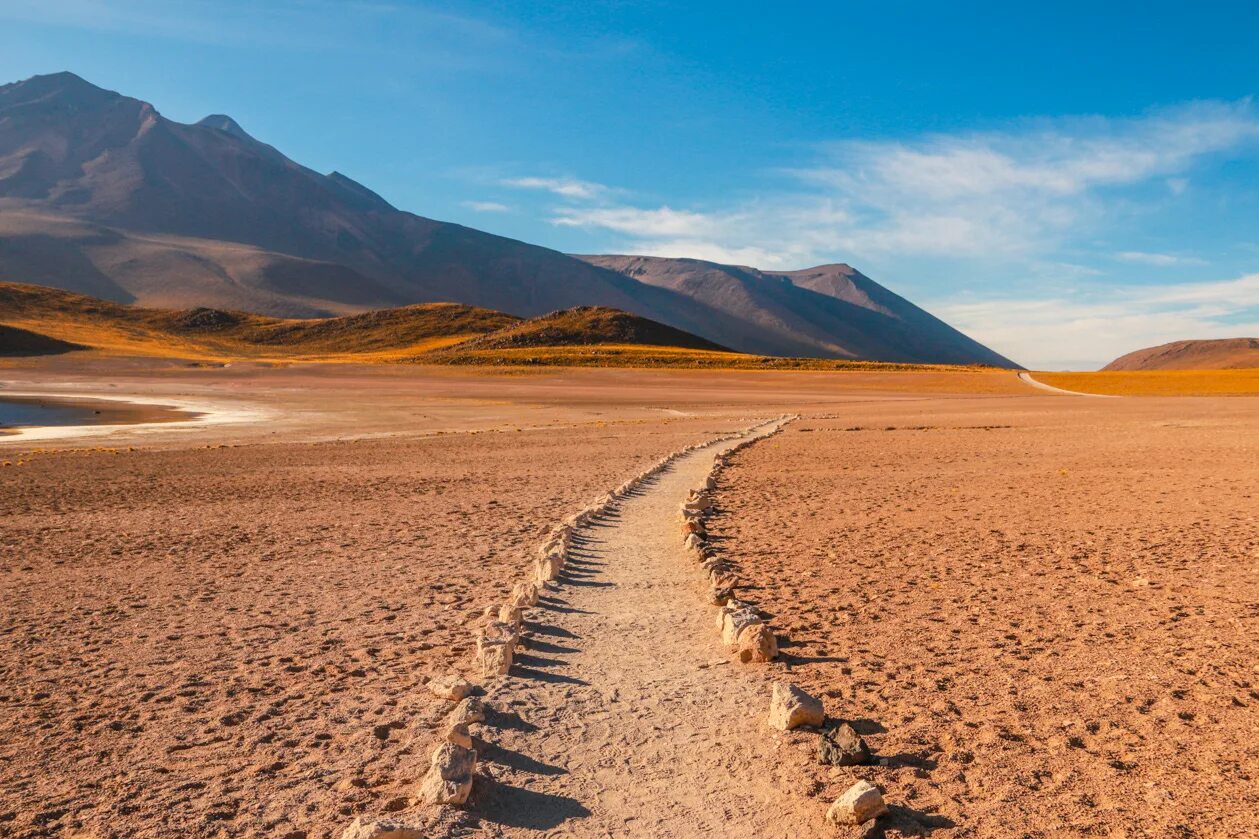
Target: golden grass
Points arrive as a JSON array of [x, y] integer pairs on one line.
[[633, 355], [213, 336], [443, 334], [1159, 382]]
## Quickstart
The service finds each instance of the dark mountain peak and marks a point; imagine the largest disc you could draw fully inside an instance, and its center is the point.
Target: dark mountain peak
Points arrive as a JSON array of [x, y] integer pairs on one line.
[[226, 124], [64, 86]]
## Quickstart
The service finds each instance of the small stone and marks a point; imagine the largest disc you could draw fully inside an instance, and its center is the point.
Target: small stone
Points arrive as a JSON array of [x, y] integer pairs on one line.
[[790, 707], [524, 595], [494, 655], [449, 777], [450, 687], [858, 805], [757, 644], [469, 710], [735, 621], [459, 735], [843, 746], [510, 614], [720, 595], [381, 829]]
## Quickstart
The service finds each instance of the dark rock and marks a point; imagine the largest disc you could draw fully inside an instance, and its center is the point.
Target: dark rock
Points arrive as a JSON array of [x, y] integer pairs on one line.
[[842, 746]]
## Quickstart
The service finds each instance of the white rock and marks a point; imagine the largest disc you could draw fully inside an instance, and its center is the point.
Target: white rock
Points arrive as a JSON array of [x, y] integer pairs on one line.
[[450, 687], [494, 655], [859, 804], [458, 734], [757, 644], [449, 777], [381, 829], [790, 707], [468, 711], [524, 595]]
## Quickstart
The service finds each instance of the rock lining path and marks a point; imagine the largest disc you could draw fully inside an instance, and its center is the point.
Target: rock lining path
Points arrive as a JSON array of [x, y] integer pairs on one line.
[[625, 716]]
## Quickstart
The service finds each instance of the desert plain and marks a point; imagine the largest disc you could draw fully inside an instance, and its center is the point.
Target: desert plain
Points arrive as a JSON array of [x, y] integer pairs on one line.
[[1039, 610]]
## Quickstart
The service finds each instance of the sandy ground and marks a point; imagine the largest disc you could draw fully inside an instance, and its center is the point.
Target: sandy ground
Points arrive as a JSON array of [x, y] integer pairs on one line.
[[1042, 614], [1044, 604]]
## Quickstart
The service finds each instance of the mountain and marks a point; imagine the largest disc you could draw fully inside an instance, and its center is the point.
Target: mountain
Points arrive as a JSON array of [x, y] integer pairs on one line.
[[101, 194], [831, 311], [1218, 354]]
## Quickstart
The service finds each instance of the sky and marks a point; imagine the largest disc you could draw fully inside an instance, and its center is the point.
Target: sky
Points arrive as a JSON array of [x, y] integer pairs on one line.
[[1065, 182]]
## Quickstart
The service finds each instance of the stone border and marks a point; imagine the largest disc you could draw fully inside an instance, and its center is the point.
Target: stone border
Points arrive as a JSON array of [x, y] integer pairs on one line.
[[743, 627], [452, 765], [741, 624]]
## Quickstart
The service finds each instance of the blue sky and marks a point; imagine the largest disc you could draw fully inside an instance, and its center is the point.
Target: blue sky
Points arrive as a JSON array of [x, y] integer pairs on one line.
[[1065, 183]]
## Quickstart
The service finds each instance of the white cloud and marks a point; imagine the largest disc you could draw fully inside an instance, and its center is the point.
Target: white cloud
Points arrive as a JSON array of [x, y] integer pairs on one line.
[[1013, 195], [640, 223], [1087, 329], [564, 187], [1158, 259], [487, 206]]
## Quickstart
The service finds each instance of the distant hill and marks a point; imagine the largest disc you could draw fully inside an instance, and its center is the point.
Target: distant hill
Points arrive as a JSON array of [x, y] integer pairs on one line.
[[19, 342], [81, 322], [102, 195], [831, 311], [1216, 354], [587, 326]]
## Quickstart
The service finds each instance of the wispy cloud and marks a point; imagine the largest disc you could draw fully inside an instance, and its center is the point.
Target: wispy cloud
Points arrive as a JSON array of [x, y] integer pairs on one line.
[[1161, 260], [1013, 194], [1090, 327], [564, 187], [487, 206]]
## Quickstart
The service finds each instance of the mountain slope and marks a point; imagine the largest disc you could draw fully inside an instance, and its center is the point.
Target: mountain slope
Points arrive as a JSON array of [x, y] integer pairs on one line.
[[100, 194], [1218, 354], [587, 326], [73, 153], [831, 311], [77, 321]]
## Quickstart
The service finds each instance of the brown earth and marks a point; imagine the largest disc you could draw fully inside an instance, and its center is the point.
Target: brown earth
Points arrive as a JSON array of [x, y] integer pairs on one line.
[[1041, 613], [234, 641], [1218, 354], [1043, 602]]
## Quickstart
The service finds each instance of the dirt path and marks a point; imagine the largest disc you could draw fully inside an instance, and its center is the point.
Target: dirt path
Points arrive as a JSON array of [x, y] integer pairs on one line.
[[1027, 377], [625, 717]]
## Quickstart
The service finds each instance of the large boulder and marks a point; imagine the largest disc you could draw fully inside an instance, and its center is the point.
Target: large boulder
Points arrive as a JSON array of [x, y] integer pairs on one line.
[[859, 804], [790, 707], [449, 776]]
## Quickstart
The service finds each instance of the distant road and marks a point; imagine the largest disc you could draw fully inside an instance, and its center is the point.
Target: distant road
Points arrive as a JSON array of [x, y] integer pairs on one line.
[[1027, 377]]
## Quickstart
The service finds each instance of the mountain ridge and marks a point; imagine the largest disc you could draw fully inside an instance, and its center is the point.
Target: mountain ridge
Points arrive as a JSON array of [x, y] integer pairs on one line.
[[100, 193]]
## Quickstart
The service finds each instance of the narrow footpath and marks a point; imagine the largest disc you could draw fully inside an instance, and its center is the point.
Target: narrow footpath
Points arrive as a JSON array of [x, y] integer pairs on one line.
[[624, 715]]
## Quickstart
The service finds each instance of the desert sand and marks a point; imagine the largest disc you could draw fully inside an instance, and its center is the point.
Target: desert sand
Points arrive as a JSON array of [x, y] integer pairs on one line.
[[1037, 608]]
